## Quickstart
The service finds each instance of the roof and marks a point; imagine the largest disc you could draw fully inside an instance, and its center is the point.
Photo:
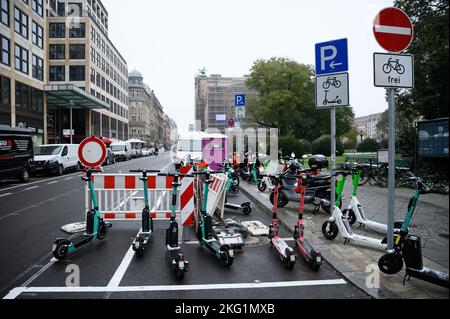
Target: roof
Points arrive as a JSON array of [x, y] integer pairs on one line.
[[135, 74], [67, 95]]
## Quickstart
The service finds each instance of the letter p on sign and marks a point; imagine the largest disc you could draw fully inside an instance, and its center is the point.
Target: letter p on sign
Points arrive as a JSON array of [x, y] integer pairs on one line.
[[324, 58]]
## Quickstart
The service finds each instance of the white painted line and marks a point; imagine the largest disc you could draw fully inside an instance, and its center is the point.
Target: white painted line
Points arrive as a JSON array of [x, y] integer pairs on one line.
[[54, 182], [253, 285], [392, 29], [4, 195], [30, 188], [68, 178], [40, 272], [33, 183], [120, 272]]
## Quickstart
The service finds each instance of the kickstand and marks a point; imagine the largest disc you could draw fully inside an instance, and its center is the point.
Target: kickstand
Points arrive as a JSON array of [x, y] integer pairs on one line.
[[404, 279], [316, 209]]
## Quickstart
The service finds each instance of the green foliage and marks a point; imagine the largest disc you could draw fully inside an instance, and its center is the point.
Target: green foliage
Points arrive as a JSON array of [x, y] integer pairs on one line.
[[322, 146], [286, 100], [368, 146], [307, 146], [289, 144], [349, 145]]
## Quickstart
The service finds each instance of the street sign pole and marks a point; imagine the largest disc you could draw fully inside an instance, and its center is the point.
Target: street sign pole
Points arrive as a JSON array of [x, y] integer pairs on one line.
[[333, 158], [391, 181]]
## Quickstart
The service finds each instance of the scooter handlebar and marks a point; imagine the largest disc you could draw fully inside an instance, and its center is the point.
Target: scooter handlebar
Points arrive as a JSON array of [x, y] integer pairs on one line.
[[144, 171], [175, 174]]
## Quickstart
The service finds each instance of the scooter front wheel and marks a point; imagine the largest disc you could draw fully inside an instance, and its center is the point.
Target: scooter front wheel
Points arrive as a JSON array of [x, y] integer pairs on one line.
[[262, 187], [351, 216], [247, 209], [282, 200], [330, 230], [234, 189], [61, 249], [390, 264]]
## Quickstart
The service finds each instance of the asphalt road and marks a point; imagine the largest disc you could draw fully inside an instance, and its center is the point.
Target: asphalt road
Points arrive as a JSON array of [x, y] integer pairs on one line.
[[30, 219]]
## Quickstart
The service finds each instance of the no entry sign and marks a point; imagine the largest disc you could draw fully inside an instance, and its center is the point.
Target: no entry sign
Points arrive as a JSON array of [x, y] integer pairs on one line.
[[92, 152], [393, 30]]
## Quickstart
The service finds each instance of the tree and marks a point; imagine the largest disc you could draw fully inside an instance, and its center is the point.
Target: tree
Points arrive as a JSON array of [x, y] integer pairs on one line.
[[369, 145], [429, 98], [286, 100], [322, 146]]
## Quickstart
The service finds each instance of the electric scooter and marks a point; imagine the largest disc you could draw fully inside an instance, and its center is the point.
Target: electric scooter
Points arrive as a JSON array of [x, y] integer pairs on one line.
[[338, 223], [355, 211], [174, 255], [96, 227], [286, 253], [205, 231], [145, 235], [408, 248], [307, 251]]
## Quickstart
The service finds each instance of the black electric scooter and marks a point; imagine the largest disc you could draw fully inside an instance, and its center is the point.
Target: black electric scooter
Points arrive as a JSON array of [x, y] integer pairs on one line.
[[174, 255], [96, 227], [146, 233], [205, 230], [408, 248]]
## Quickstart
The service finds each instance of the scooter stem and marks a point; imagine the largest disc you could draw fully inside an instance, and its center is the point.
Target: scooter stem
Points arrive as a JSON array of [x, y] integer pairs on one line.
[[356, 179]]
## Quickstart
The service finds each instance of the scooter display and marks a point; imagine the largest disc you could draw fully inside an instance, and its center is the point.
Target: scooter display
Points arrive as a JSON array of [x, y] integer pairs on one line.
[[96, 227], [312, 256], [355, 211], [174, 255], [338, 223], [205, 231], [145, 235], [286, 253], [408, 248]]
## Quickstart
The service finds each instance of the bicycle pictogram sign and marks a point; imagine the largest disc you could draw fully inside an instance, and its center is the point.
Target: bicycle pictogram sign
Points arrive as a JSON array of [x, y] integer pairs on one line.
[[394, 64]]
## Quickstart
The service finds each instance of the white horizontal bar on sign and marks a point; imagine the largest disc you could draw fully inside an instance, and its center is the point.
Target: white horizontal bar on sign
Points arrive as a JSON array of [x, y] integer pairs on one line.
[[392, 29]]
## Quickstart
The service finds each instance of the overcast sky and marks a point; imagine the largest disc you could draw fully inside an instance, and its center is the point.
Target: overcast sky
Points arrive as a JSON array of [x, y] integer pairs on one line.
[[168, 41]]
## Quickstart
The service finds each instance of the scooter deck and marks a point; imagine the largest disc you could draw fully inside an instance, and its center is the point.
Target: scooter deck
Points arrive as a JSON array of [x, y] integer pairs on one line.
[[280, 245], [429, 275], [82, 240], [308, 251]]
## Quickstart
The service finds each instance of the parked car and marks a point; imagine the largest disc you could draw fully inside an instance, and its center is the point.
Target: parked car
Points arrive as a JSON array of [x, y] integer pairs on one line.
[[16, 154], [121, 151], [57, 158], [110, 159]]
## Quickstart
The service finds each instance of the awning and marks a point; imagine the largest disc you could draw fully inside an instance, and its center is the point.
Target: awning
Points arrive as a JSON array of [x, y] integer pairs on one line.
[[66, 95]]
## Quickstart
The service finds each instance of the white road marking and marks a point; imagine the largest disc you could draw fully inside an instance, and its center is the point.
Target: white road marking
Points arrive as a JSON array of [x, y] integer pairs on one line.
[[253, 285], [54, 182], [30, 188], [40, 272], [4, 195], [68, 178], [392, 29]]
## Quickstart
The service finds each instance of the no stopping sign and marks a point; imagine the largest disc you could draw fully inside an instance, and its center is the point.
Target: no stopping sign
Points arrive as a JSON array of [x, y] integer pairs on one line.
[[92, 152]]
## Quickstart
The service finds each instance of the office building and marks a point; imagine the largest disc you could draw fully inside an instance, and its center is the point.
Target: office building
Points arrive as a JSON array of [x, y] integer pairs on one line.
[[367, 126]]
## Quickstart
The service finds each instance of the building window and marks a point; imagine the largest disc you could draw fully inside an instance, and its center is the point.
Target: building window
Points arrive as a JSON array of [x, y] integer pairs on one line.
[[37, 35], [5, 12], [5, 93], [53, 4], [56, 30], [77, 52], [22, 95], [20, 22], [57, 73], [57, 51], [37, 68], [4, 58], [77, 73], [21, 61], [37, 100], [78, 31], [37, 7], [92, 75], [61, 9]]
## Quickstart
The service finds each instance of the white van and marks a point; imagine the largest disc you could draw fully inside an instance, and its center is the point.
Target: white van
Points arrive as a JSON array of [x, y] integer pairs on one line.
[[122, 151], [56, 158]]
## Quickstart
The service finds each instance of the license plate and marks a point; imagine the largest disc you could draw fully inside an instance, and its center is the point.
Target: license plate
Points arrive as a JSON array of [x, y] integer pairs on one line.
[[292, 258], [319, 259], [181, 265], [231, 253]]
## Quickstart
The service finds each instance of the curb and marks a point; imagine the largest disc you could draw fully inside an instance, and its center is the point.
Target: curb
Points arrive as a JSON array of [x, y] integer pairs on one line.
[[336, 261]]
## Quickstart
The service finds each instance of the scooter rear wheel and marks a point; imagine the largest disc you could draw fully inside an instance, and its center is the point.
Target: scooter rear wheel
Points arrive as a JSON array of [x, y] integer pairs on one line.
[[61, 250], [330, 230], [226, 259], [390, 264], [234, 189], [138, 246], [288, 262], [102, 230], [180, 275], [282, 200], [262, 186], [247, 209]]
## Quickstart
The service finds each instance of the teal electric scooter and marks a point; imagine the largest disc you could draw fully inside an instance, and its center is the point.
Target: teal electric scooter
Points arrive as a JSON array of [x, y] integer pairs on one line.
[[145, 235], [96, 227]]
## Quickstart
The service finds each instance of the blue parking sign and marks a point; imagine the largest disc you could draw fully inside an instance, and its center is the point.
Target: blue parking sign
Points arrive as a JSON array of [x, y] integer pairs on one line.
[[239, 100], [332, 57]]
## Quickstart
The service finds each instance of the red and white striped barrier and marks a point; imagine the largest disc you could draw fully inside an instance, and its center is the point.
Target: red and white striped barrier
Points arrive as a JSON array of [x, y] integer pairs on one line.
[[216, 196], [117, 196]]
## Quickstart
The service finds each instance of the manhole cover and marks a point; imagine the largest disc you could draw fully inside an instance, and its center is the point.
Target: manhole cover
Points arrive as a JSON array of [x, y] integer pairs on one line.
[[445, 236]]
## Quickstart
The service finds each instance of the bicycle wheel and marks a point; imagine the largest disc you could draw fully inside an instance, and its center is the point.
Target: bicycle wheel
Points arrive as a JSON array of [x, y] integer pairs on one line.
[[337, 84], [401, 69], [383, 178], [387, 68], [365, 176]]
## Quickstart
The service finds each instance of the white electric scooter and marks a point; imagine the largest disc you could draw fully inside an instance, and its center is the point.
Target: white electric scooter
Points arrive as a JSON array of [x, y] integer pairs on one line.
[[339, 224], [355, 212]]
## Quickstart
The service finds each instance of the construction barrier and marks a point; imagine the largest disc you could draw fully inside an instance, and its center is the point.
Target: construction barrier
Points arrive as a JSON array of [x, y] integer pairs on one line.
[[117, 196], [217, 194]]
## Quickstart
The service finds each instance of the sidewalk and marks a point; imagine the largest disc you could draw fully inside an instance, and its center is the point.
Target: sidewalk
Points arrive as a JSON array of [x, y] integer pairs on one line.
[[430, 222]]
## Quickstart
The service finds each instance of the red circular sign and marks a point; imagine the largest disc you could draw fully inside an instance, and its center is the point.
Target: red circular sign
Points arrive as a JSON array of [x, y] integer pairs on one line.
[[92, 152], [393, 30], [231, 123]]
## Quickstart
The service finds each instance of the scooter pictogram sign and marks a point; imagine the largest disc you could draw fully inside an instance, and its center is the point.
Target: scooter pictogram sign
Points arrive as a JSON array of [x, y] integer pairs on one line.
[[332, 90], [92, 152]]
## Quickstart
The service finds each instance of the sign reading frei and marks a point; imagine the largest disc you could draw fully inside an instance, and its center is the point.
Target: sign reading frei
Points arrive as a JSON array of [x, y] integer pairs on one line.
[[332, 57], [393, 70], [332, 90], [393, 29]]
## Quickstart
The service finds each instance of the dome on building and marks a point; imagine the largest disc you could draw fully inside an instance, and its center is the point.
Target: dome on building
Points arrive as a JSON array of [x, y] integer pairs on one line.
[[135, 74]]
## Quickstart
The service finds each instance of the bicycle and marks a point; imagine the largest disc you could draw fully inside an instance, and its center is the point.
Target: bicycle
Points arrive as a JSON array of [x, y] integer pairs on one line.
[[393, 64], [332, 81], [401, 174]]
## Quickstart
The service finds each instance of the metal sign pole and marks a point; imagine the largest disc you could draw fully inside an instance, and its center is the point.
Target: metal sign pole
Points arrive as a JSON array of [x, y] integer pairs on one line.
[[333, 158], [391, 200], [71, 135]]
